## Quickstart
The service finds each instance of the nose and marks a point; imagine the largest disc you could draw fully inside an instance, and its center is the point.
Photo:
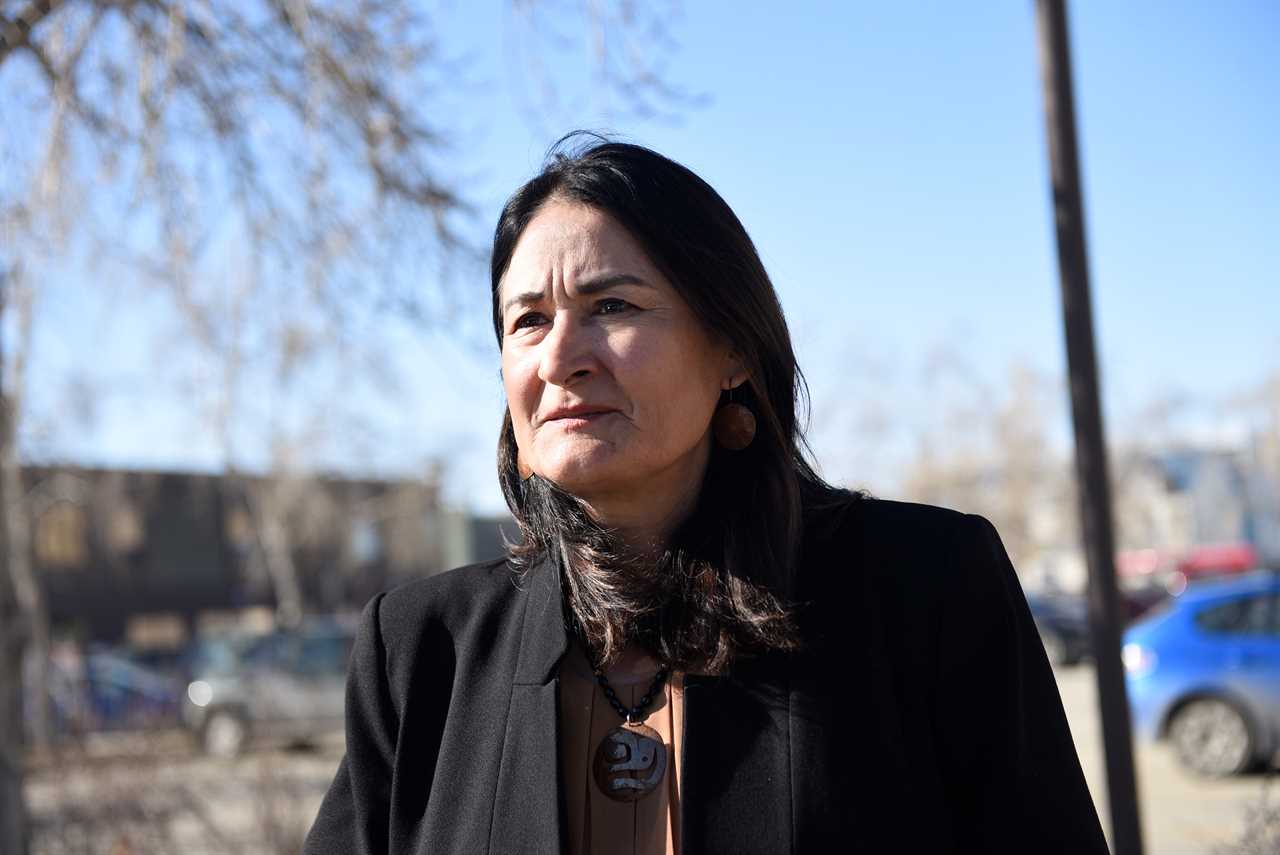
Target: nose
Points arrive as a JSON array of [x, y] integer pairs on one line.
[[568, 353]]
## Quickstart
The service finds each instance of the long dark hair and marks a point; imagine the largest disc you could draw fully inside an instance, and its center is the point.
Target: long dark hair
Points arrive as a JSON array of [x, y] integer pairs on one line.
[[723, 587]]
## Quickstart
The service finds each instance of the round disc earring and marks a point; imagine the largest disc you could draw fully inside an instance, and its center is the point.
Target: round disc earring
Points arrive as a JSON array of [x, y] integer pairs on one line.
[[734, 425]]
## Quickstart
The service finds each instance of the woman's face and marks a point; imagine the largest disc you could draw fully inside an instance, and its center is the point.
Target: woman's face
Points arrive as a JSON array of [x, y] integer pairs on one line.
[[610, 379]]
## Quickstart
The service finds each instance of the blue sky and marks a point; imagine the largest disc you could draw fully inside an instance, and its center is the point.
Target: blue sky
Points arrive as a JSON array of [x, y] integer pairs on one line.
[[889, 161]]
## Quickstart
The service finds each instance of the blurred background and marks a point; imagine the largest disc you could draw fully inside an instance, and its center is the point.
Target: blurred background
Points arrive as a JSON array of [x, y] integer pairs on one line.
[[249, 378]]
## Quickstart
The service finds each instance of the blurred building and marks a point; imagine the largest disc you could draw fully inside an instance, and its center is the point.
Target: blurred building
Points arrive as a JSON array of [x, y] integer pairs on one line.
[[1200, 496], [1167, 505], [122, 554]]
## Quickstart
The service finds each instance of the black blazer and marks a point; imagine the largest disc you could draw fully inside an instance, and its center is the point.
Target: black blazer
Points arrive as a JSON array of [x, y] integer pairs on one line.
[[921, 717]]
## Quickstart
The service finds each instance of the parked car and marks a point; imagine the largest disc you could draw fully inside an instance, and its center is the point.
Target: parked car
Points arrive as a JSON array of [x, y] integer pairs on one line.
[[1137, 599], [1063, 622], [105, 690], [1204, 673], [284, 685], [171, 662]]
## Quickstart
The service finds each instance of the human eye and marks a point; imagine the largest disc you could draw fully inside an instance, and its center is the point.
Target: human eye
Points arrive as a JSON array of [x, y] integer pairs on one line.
[[527, 320], [612, 306]]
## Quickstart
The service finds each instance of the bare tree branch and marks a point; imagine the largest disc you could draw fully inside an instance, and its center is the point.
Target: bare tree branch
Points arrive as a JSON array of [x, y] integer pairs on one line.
[[15, 32]]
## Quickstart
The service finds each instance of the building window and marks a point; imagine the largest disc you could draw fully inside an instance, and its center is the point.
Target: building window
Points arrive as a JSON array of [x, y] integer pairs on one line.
[[61, 536], [238, 528], [124, 529], [366, 541]]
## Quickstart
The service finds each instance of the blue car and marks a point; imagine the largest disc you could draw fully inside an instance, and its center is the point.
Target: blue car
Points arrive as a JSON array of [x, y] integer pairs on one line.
[[1204, 673], [107, 690]]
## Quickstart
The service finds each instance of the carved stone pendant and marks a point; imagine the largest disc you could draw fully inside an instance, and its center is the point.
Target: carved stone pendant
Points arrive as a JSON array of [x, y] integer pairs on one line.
[[630, 763]]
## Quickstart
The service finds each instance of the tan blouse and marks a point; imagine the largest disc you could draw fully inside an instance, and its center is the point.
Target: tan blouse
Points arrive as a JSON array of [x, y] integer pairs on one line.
[[597, 823]]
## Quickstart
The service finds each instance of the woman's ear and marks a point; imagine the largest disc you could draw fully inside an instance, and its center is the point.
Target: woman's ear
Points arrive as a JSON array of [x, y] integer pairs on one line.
[[735, 373]]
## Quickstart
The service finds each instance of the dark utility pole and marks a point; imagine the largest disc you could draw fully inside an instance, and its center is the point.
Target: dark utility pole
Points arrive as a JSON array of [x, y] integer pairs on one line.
[[1086, 413]]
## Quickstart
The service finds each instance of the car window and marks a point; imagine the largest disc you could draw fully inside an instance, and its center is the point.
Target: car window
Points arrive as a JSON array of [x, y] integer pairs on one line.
[[215, 657], [325, 654], [1268, 620], [1250, 615], [270, 651]]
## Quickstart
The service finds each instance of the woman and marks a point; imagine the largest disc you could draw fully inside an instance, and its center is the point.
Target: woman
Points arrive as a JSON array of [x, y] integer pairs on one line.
[[695, 645]]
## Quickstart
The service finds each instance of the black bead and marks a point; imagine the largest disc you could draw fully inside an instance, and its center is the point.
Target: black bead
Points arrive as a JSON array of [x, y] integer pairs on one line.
[[635, 713]]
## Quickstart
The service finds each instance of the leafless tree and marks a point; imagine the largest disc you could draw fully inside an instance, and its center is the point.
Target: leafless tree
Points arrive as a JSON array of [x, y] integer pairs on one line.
[[23, 618], [853, 424], [1259, 406], [307, 150], [987, 450], [298, 130], [1032, 476], [628, 45]]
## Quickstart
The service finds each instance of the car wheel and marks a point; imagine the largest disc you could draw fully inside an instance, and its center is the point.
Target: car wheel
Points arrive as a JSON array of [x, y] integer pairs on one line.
[[225, 734], [1211, 738]]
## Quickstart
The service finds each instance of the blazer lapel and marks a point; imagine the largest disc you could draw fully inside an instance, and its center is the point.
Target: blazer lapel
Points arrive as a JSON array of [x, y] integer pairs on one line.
[[527, 810], [736, 765]]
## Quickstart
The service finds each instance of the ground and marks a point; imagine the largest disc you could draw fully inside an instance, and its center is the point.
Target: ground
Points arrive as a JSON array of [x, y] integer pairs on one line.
[[1181, 814]]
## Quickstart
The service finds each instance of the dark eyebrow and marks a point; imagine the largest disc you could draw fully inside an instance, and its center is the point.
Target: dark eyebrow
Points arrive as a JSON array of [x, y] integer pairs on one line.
[[586, 289]]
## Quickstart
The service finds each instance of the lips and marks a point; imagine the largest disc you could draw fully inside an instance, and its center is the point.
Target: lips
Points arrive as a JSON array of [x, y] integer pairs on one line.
[[579, 413]]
